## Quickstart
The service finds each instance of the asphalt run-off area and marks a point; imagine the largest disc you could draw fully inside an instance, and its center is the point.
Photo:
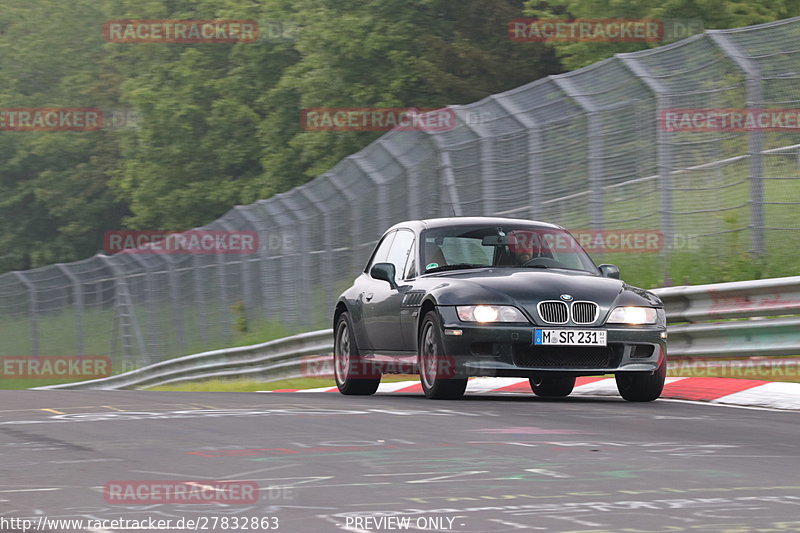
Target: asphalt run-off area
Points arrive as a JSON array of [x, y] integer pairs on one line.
[[326, 462]]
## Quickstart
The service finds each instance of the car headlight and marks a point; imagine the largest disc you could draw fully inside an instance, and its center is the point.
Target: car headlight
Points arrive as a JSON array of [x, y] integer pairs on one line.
[[489, 313], [633, 315]]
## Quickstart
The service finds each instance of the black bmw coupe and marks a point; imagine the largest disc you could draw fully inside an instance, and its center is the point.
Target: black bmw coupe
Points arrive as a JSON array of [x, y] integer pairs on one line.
[[452, 298]]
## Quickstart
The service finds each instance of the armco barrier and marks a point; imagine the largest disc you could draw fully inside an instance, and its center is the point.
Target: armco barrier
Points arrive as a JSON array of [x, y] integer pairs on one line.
[[734, 319], [714, 321], [278, 359]]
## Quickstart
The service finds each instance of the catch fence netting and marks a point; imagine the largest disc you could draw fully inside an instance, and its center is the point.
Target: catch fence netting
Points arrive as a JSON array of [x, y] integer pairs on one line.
[[588, 150]]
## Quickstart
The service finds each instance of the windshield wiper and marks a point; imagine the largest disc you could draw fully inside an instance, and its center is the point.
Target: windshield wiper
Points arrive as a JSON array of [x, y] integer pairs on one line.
[[456, 266], [554, 267]]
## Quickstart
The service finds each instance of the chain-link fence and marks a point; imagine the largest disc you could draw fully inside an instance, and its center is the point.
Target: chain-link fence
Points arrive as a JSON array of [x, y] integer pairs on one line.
[[587, 150]]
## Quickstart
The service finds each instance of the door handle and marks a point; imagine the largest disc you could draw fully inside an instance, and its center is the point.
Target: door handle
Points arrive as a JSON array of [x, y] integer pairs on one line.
[[369, 296]]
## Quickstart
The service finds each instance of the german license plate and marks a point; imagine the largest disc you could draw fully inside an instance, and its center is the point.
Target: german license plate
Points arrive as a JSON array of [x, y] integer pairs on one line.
[[569, 337]]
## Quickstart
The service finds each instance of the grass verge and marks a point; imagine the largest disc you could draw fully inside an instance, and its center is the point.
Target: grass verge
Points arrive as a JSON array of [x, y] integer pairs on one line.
[[250, 385]]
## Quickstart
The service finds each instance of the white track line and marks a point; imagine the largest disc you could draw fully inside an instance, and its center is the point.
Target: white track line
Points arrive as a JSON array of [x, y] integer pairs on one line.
[[777, 394], [782, 396], [397, 385], [488, 384]]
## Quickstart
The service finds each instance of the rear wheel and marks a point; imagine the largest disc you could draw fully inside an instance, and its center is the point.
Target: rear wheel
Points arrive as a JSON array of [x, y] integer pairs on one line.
[[552, 387], [436, 370], [354, 376], [642, 386]]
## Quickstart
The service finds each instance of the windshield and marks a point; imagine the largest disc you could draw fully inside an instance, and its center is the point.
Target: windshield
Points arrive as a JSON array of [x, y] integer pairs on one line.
[[503, 246]]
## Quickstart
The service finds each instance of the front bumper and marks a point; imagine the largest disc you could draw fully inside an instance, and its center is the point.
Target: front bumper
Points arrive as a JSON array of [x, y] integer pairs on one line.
[[508, 350]]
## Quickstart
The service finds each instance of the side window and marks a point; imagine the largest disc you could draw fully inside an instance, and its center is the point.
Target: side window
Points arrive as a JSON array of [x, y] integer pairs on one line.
[[400, 251], [411, 267], [382, 251]]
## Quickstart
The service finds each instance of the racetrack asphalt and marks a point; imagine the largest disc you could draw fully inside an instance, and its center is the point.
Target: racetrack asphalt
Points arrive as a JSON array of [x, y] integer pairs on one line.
[[326, 462]]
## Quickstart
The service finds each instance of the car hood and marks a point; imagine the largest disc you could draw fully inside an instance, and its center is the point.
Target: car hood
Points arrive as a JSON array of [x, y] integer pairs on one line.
[[526, 287]]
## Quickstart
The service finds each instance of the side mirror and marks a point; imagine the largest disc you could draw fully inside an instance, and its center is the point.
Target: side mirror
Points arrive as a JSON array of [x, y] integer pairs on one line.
[[609, 271], [385, 272]]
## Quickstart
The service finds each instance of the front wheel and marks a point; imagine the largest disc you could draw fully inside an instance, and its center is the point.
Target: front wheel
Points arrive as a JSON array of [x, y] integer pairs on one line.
[[437, 371], [642, 386], [552, 387], [354, 376]]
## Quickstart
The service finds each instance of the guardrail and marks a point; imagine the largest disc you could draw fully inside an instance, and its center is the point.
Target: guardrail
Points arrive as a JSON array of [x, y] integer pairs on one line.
[[278, 359], [694, 314], [733, 319]]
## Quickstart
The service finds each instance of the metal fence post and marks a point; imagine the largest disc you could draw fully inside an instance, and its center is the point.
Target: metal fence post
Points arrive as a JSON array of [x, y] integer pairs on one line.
[[31, 311], [383, 198], [487, 158], [77, 296], [151, 352], [262, 253], [663, 145], [200, 297], [755, 139], [327, 244], [223, 296], [487, 184], [289, 276], [412, 181], [449, 181], [534, 152], [355, 219], [595, 156], [175, 299], [448, 178], [301, 274], [244, 270]]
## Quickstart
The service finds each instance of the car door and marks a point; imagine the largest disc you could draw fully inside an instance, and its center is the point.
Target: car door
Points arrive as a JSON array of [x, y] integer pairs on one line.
[[381, 302]]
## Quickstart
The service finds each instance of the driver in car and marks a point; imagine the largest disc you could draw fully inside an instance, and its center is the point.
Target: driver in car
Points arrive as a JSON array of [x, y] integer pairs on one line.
[[523, 246]]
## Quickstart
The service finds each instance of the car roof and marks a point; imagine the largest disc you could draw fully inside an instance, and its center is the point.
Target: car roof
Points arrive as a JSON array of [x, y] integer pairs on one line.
[[447, 222]]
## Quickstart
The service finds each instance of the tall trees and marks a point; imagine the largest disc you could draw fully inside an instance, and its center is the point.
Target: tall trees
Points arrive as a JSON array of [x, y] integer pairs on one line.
[[713, 14], [219, 124], [54, 192]]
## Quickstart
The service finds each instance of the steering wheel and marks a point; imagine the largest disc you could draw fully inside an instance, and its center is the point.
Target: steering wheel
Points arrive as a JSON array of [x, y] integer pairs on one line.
[[543, 262]]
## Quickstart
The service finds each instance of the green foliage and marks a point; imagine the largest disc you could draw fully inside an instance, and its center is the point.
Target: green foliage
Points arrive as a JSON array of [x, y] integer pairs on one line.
[[55, 199], [218, 124], [714, 14], [252, 385]]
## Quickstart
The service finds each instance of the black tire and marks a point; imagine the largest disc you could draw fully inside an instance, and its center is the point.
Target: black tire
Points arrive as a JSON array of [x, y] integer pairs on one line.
[[552, 386], [437, 371], [642, 386], [354, 376]]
